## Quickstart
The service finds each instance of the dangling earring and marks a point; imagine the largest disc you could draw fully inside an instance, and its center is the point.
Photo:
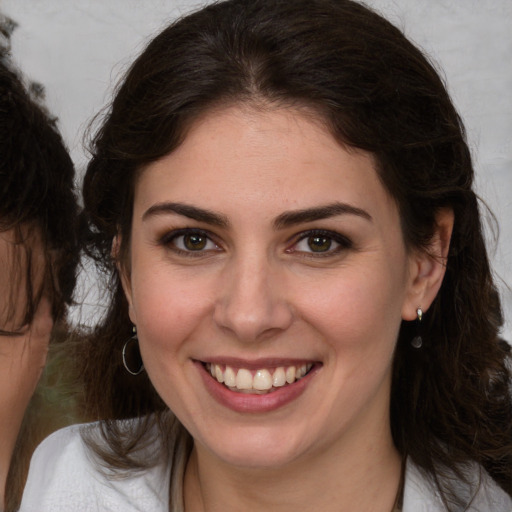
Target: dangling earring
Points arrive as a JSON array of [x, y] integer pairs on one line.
[[417, 341], [133, 356]]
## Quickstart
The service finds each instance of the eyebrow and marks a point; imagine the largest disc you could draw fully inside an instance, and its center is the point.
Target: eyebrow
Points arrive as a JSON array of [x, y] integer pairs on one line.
[[286, 219], [192, 212], [292, 218]]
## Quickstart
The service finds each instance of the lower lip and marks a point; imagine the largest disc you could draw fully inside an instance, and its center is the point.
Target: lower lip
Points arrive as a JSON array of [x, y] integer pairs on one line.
[[253, 403]]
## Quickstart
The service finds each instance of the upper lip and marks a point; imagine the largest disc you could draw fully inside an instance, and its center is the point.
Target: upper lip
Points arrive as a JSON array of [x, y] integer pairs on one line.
[[255, 364]]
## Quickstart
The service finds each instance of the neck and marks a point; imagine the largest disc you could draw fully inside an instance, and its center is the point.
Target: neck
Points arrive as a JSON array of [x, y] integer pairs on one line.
[[348, 477]]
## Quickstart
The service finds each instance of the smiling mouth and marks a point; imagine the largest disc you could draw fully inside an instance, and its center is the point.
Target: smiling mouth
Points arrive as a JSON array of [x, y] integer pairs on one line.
[[261, 381]]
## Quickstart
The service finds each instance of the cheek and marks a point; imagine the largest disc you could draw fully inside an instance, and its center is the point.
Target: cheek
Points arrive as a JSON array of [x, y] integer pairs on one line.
[[358, 312], [167, 310]]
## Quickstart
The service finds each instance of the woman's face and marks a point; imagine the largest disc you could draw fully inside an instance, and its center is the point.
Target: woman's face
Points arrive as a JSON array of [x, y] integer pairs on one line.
[[261, 251]]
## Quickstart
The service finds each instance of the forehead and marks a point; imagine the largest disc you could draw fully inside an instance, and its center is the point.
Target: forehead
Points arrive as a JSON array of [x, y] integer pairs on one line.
[[278, 159]]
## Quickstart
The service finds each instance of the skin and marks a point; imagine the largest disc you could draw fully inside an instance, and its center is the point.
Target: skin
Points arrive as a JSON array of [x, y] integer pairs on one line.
[[257, 290], [23, 354]]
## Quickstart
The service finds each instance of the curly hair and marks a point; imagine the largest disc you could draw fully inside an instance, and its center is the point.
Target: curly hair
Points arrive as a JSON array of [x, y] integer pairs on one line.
[[374, 90]]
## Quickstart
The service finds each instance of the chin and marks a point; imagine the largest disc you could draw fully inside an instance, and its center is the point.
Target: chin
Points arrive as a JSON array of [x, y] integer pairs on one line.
[[252, 448]]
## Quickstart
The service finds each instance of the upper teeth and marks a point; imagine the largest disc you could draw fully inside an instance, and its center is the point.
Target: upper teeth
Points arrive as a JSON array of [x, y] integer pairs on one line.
[[260, 380]]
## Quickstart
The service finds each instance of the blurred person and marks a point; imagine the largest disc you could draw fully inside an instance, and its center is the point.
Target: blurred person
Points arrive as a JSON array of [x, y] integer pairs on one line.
[[38, 260]]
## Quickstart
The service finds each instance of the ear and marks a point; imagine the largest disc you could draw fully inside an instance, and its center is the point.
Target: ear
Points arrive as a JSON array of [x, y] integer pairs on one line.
[[427, 267], [123, 268]]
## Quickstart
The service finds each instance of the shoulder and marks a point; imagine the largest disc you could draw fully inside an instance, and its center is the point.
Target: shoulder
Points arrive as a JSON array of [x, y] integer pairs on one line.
[[420, 494], [491, 496], [59, 463], [65, 475]]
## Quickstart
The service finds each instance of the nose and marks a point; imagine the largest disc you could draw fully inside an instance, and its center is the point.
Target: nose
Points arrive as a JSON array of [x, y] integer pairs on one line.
[[252, 303]]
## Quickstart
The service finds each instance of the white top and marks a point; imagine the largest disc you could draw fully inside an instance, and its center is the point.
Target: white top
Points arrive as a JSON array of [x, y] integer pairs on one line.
[[63, 477]]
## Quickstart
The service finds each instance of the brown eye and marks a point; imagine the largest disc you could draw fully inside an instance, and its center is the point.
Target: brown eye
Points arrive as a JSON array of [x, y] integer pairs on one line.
[[189, 241], [319, 243], [195, 242]]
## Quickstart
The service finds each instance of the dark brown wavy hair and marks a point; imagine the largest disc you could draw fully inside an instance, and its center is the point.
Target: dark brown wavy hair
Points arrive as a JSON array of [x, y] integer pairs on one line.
[[38, 205], [36, 191], [374, 90]]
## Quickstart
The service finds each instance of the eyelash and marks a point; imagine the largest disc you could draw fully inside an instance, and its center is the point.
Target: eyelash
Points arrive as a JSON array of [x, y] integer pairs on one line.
[[170, 238], [332, 236]]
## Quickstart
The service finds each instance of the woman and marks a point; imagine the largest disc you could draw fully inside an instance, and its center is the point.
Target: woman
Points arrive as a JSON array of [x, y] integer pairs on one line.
[[281, 195], [38, 258]]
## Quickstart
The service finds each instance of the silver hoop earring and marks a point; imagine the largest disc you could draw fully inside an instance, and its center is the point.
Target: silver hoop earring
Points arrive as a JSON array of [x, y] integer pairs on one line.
[[417, 341], [132, 356]]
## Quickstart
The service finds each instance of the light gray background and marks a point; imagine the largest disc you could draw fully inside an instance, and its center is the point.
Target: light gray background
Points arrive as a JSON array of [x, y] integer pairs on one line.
[[79, 48]]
